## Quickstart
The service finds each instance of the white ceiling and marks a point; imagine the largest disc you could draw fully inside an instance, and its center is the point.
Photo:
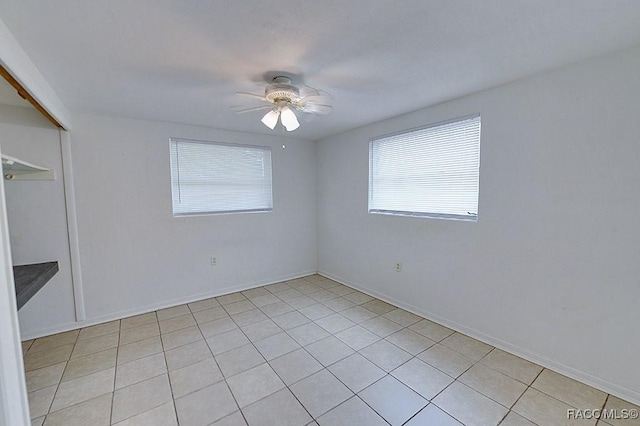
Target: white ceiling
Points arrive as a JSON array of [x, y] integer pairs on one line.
[[183, 60]]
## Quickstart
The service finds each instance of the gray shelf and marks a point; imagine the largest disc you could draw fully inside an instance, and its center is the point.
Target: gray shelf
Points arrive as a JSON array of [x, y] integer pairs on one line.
[[29, 279]]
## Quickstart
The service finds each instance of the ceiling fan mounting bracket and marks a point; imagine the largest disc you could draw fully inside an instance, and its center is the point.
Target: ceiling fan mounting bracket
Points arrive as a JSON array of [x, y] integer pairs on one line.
[[282, 79]]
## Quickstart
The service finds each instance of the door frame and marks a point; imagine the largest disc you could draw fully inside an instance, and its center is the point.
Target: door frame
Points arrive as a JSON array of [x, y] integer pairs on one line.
[[13, 388]]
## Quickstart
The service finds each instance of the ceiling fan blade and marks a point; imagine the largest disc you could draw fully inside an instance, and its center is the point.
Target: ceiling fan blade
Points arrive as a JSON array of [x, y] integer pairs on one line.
[[242, 110], [315, 101], [314, 108], [251, 95], [308, 91]]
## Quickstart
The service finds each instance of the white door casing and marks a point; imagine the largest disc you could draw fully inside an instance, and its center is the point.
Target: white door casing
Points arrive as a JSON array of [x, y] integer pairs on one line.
[[13, 389]]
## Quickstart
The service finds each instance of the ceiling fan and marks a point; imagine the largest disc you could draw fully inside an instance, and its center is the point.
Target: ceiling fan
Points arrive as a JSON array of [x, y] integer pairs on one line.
[[282, 98]]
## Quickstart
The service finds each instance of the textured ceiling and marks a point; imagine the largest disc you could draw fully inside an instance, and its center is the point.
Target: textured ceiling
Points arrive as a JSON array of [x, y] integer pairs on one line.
[[182, 61]]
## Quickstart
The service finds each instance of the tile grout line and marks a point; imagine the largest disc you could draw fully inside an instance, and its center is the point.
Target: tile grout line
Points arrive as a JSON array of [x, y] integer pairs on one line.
[[138, 359], [165, 363], [318, 289], [324, 367], [337, 361], [356, 395], [301, 347], [115, 374], [214, 360], [164, 352], [61, 376], [157, 322], [267, 362], [604, 404], [514, 403], [525, 391], [79, 377], [607, 395], [330, 334], [173, 398], [456, 379], [224, 378], [429, 401]]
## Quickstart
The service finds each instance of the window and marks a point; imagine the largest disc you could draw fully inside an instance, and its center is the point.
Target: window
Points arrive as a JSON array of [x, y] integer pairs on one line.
[[431, 171], [212, 177]]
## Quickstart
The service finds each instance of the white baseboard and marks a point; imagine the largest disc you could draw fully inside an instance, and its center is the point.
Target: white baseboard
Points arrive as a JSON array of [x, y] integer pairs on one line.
[[60, 328], [604, 385]]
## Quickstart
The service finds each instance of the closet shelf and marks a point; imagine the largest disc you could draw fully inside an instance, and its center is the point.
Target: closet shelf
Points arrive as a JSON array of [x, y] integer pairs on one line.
[[14, 169], [29, 279]]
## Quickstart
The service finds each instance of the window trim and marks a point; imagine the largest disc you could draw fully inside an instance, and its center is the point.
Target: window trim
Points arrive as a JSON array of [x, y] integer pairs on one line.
[[447, 216], [217, 143]]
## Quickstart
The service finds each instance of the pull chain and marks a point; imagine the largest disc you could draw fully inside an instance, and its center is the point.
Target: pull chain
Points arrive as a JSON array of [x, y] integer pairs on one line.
[[284, 146]]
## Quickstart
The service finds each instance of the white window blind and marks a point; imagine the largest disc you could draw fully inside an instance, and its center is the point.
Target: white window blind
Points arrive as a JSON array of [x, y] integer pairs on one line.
[[431, 171], [212, 177]]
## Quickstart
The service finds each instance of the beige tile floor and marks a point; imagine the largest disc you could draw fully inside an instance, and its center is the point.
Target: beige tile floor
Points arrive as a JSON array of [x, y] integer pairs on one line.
[[303, 352]]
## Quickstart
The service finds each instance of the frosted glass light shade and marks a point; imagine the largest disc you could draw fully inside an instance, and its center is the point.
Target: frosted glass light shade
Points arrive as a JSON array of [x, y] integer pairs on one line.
[[289, 119], [270, 119]]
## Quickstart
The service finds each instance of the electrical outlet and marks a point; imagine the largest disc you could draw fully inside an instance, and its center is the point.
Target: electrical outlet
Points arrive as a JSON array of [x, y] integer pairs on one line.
[[214, 261], [398, 267]]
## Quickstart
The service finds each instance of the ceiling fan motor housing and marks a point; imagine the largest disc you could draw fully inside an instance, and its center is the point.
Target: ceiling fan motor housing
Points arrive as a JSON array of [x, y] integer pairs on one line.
[[281, 90]]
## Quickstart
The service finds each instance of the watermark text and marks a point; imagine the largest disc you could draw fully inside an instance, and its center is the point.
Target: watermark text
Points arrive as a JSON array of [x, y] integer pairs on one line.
[[603, 413]]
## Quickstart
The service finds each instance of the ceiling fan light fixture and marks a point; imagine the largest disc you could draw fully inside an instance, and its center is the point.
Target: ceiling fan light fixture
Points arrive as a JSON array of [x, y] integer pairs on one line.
[[270, 119], [283, 99], [289, 119]]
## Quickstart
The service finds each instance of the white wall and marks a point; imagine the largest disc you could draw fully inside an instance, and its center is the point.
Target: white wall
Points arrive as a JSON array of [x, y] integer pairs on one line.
[[550, 270], [136, 256], [36, 214]]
